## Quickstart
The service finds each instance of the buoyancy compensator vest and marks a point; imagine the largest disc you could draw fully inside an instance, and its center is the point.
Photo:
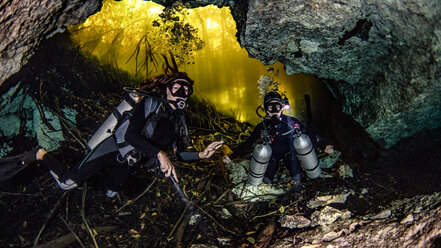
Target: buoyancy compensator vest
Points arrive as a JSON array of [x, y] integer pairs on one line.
[[100, 142], [127, 152], [161, 128]]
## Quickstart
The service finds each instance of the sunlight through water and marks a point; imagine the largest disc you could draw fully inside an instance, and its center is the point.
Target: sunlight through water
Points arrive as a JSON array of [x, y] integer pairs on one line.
[[223, 72]]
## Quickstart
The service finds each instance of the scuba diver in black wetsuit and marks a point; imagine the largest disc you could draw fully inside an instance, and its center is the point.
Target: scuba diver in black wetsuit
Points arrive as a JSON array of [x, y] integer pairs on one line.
[[155, 125], [279, 128]]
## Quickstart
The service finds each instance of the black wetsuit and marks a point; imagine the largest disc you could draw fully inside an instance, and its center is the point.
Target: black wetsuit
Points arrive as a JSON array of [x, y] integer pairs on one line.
[[165, 135], [283, 151]]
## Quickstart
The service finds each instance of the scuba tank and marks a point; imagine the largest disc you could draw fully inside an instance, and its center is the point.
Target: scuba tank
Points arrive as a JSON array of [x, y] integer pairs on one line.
[[305, 150], [259, 162], [261, 157], [131, 97]]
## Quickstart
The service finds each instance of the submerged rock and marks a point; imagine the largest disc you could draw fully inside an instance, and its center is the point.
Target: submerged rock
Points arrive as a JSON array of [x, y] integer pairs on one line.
[[238, 175], [194, 219], [25, 23], [328, 160], [253, 193], [328, 215], [202, 246], [21, 115], [382, 215], [381, 57], [414, 222], [321, 201], [294, 221], [345, 171], [407, 219], [223, 241]]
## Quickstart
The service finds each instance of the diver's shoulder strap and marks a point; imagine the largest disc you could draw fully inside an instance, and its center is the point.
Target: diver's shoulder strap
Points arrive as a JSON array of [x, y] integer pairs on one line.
[[152, 105], [184, 129], [291, 121]]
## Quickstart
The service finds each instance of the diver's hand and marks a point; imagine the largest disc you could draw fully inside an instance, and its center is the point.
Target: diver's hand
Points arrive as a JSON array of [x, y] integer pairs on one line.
[[329, 149], [166, 165], [211, 149], [226, 160]]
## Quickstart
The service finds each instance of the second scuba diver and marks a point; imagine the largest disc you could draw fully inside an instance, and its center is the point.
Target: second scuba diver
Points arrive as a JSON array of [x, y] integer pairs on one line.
[[156, 125], [278, 128]]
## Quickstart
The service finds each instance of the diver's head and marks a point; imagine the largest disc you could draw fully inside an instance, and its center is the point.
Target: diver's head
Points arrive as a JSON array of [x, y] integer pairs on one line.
[[178, 90], [274, 104], [174, 85]]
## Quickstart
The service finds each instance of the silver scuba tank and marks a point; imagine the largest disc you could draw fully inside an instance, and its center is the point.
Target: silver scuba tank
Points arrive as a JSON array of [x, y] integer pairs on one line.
[[259, 163], [107, 128], [305, 150]]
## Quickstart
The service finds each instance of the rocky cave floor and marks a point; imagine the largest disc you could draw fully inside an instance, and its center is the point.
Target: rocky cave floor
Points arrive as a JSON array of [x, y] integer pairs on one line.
[[31, 203], [33, 208]]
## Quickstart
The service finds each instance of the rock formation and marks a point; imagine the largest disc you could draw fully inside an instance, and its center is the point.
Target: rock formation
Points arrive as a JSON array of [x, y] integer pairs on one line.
[[413, 222], [24, 23], [383, 57]]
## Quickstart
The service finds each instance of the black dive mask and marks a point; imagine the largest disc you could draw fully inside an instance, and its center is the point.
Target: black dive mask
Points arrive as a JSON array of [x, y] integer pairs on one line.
[[273, 107], [181, 91]]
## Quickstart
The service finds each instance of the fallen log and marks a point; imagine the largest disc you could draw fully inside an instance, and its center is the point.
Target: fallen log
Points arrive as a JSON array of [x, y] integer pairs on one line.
[[68, 239]]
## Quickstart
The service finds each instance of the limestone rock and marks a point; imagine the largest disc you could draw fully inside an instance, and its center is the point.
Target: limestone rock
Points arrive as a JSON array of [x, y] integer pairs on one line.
[[46, 129], [382, 215], [194, 219], [202, 246], [226, 214], [407, 219], [238, 175], [328, 215], [320, 201], [328, 160], [382, 56], [223, 241], [345, 171], [294, 221], [423, 231], [24, 23]]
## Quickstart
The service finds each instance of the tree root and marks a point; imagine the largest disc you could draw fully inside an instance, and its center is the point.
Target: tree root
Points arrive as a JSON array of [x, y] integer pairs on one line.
[[68, 239]]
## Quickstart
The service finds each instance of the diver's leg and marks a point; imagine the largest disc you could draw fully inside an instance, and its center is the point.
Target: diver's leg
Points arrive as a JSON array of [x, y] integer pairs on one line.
[[54, 165], [273, 165], [83, 171], [293, 166], [118, 175]]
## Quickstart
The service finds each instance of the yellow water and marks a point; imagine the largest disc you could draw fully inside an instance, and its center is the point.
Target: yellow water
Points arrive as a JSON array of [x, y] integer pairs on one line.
[[223, 72]]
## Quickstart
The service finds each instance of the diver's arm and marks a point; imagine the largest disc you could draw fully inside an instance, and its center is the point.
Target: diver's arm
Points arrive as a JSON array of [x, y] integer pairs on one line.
[[189, 156], [241, 149], [207, 153]]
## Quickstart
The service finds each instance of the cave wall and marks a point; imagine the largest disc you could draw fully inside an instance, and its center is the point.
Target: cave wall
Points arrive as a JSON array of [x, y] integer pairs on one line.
[[383, 57], [24, 23]]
